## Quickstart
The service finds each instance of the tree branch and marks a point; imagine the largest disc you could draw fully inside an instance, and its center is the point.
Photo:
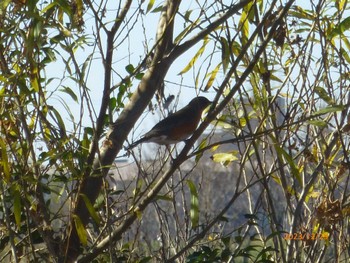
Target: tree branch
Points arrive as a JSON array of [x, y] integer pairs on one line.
[[92, 181], [180, 49]]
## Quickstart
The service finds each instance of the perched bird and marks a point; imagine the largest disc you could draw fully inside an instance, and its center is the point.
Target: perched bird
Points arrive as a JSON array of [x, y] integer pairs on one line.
[[177, 126]]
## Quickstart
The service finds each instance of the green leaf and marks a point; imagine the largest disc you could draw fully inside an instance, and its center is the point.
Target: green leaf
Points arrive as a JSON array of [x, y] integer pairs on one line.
[[275, 78], [236, 48], [341, 28], [157, 9], [59, 121], [35, 82], [164, 198], [130, 68], [188, 14], [3, 6], [329, 109], [90, 208], [65, 6], [121, 91], [84, 67], [139, 75], [294, 169], [225, 53], [185, 31], [3, 89], [113, 103], [345, 53], [85, 144], [226, 241], [80, 230], [301, 13], [322, 93], [340, 4], [70, 92], [80, 8], [4, 162], [89, 131], [194, 212], [203, 144], [17, 207], [318, 123]]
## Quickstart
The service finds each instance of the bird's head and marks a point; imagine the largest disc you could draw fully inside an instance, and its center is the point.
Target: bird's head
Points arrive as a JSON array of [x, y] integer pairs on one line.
[[200, 102]]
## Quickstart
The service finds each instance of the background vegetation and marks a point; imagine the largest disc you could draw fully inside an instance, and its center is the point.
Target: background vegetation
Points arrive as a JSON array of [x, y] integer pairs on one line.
[[268, 180]]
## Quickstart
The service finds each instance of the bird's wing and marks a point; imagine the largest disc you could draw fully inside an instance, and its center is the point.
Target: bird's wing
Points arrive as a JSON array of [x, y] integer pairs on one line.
[[174, 120], [164, 127]]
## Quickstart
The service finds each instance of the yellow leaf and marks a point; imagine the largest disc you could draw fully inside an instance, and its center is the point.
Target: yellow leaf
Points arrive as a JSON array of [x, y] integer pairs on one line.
[[225, 158], [212, 77], [236, 48], [214, 148], [138, 214], [194, 59], [80, 230], [276, 179], [244, 27], [150, 5]]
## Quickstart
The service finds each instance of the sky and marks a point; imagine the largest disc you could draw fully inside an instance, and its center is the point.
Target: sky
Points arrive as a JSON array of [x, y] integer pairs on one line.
[[134, 40]]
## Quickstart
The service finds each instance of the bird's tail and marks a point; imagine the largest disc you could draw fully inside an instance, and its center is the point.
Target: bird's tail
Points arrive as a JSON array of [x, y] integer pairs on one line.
[[134, 144]]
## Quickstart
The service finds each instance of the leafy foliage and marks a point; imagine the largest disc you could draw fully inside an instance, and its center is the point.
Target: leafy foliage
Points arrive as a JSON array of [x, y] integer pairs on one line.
[[270, 177]]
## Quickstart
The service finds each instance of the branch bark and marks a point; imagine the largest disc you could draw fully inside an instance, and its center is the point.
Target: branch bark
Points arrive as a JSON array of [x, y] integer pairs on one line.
[[164, 55], [116, 234], [153, 78]]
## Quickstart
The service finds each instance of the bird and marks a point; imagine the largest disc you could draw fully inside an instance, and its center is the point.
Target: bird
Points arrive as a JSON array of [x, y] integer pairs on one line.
[[178, 126]]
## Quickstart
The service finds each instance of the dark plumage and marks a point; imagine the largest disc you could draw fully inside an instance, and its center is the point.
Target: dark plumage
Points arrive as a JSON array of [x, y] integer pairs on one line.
[[177, 126]]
